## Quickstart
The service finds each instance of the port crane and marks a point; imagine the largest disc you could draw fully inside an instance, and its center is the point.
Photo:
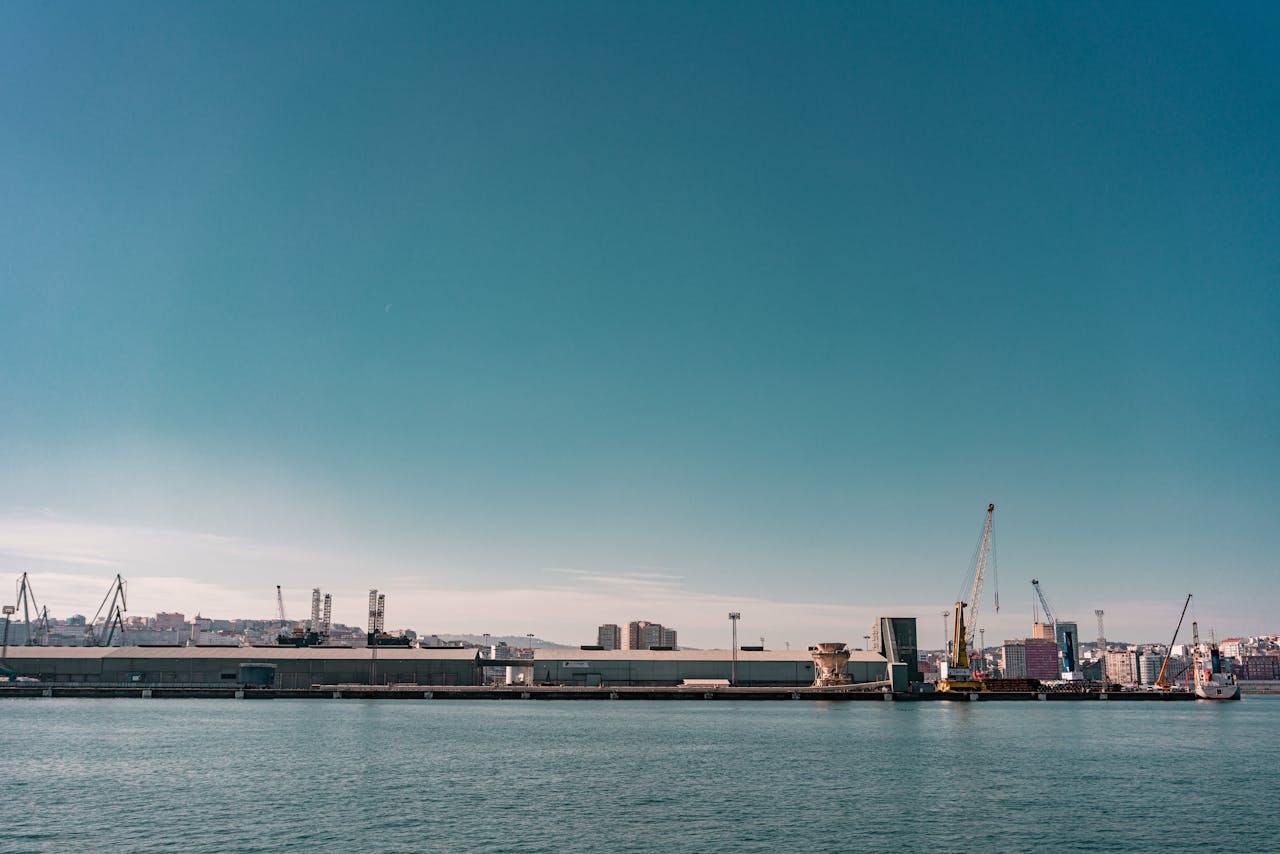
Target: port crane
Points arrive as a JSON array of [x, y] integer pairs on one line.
[[316, 630], [958, 675], [114, 617], [1066, 647], [284, 621], [1161, 682], [27, 601]]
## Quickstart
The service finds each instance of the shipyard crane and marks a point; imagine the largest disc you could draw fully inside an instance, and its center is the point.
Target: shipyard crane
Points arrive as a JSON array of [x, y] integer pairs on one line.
[[1161, 682], [114, 617], [959, 676], [326, 622], [27, 601], [1050, 617], [1044, 603], [1065, 641]]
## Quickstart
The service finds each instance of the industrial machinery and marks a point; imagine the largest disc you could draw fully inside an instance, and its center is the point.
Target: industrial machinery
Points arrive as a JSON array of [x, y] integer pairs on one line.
[[377, 623], [1208, 679], [957, 673], [27, 601], [284, 621], [113, 618], [1102, 636], [830, 665], [317, 629], [1064, 637], [5, 672], [1161, 681]]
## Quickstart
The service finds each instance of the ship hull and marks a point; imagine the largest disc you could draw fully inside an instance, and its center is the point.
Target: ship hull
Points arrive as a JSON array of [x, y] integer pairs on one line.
[[1210, 691]]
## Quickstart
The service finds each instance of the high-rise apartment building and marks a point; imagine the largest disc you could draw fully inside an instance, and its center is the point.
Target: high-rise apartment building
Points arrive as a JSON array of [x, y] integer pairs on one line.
[[1149, 667], [642, 634], [609, 636], [1042, 658], [1013, 660], [165, 620], [1121, 668]]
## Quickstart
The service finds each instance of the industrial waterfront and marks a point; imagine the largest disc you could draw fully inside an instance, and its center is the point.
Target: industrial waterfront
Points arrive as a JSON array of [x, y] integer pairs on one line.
[[107, 653]]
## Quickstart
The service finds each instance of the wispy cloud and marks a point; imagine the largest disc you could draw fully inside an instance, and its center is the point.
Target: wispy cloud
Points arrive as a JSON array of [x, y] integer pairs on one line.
[[72, 563]]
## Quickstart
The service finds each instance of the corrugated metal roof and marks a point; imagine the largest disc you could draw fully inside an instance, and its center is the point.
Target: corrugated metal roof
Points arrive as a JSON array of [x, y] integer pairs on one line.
[[689, 655], [244, 653]]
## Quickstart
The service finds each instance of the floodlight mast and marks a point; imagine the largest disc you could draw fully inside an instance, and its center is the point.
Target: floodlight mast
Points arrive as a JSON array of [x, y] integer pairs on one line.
[[734, 617]]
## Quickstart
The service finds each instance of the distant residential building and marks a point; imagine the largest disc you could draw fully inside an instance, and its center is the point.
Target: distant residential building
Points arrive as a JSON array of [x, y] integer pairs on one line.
[[1042, 631], [1042, 658], [1232, 647], [1149, 667], [1121, 668], [170, 621], [76, 620], [1013, 660], [609, 636], [1259, 667], [642, 634]]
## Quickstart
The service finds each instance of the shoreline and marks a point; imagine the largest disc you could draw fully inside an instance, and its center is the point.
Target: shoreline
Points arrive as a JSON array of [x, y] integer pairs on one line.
[[560, 692]]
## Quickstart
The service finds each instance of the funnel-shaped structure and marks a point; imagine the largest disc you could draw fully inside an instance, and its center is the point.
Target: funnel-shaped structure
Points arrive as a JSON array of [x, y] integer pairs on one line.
[[830, 664]]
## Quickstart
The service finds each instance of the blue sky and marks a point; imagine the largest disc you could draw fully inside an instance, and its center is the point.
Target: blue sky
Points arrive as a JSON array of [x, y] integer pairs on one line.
[[537, 317]]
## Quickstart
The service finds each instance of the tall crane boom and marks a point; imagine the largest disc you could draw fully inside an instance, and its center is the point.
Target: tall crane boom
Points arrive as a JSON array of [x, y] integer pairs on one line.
[[280, 607], [1044, 603], [959, 676], [1164, 665], [983, 557]]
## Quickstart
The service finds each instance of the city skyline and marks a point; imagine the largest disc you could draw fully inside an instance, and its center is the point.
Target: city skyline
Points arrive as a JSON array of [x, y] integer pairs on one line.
[[527, 317]]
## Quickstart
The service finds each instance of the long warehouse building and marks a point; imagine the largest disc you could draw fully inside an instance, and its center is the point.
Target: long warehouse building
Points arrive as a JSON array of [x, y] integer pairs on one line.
[[760, 668], [303, 667], [295, 667]]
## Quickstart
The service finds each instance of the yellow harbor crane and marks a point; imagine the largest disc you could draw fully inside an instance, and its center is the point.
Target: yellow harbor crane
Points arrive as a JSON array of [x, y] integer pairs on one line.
[[957, 672]]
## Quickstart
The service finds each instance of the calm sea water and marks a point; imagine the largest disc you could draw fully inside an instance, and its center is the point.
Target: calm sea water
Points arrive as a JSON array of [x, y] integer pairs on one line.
[[537, 776]]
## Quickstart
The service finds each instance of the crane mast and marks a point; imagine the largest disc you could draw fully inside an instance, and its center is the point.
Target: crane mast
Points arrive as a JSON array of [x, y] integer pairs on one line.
[[1164, 665], [114, 618], [314, 624], [980, 577], [959, 675], [27, 599], [284, 621]]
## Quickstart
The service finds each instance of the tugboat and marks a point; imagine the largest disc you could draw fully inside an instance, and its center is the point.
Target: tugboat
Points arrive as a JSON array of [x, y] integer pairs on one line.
[[1210, 682]]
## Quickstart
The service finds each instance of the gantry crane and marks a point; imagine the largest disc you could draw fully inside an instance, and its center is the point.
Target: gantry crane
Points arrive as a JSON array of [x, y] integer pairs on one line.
[[959, 674]]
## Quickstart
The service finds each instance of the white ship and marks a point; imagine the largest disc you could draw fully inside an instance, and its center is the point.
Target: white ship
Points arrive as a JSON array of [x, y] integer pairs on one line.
[[1210, 682]]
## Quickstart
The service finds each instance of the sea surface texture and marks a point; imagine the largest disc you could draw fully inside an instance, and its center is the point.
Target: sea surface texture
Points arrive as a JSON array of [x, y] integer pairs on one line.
[[546, 776]]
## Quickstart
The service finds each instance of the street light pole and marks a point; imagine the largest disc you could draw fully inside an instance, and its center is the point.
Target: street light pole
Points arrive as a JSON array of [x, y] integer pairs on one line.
[[734, 616], [946, 644]]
